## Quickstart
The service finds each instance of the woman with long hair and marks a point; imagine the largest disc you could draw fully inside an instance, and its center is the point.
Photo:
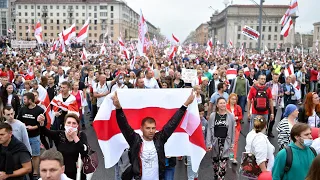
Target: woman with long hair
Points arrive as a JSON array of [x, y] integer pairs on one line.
[[258, 144], [70, 142], [314, 170], [285, 125], [310, 111], [199, 96], [178, 82], [220, 137], [81, 101], [236, 110], [133, 77], [9, 98]]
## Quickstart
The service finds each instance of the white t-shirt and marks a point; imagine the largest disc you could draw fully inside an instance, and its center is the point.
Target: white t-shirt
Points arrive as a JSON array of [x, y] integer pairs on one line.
[[151, 83], [149, 158], [97, 88], [116, 86], [313, 120]]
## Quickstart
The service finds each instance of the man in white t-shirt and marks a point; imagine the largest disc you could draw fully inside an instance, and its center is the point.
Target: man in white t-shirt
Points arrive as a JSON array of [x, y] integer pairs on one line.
[[119, 84], [149, 81], [102, 89], [145, 150]]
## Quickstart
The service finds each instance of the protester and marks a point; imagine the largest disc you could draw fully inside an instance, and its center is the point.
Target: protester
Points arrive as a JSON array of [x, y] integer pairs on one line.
[[314, 169], [81, 101], [52, 166], [70, 142], [151, 143], [285, 125], [15, 159], [220, 93], [220, 137], [9, 97], [310, 111], [302, 155], [236, 110]]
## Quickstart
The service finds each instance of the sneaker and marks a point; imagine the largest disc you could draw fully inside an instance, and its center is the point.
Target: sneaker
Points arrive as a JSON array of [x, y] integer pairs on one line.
[[234, 161]]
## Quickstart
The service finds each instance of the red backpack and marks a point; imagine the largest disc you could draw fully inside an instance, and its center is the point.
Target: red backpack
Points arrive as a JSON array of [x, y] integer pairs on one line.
[[261, 100]]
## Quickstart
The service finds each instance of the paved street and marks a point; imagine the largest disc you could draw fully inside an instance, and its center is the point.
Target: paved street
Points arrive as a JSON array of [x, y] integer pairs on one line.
[[205, 171]]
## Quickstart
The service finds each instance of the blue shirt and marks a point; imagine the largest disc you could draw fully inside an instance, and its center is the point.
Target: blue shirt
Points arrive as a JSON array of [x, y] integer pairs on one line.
[[216, 95]]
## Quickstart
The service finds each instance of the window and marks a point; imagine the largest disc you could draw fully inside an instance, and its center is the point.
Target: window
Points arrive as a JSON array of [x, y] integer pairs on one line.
[[270, 28], [20, 34], [58, 27], [103, 7], [263, 28], [20, 27], [95, 8], [244, 37], [45, 22], [275, 45], [77, 7], [57, 7], [111, 22], [111, 15], [45, 34], [77, 14], [239, 35], [269, 37], [90, 7], [63, 7], [89, 34], [51, 7], [51, 21], [83, 7], [276, 29], [26, 14], [111, 8], [276, 20], [275, 37], [95, 34], [32, 7], [112, 28], [51, 27], [38, 7], [51, 34], [64, 21], [32, 21], [19, 20], [77, 27], [19, 7], [83, 14], [77, 21], [19, 13], [26, 20], [32, 14], [269, 45], [83, 21], [111, 34], [38, 14], [45, 27], [250, 45], [51, 14], [57, 14], [262, 37], [281, 37], [95, 15], [25, 7], [90, 14], [90, 28], [104, 14], [95, 22], [58, 22], [64, 14], [95, 28]]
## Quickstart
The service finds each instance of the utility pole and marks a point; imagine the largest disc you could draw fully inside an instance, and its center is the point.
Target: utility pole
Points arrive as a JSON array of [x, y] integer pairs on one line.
[[260, 25]]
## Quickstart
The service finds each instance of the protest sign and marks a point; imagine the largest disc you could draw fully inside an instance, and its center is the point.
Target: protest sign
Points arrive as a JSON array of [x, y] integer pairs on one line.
[[188, 75], [23, 44]]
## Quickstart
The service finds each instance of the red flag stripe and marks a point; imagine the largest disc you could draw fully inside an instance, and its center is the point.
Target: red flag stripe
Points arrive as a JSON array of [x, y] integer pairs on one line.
[[134, 117]]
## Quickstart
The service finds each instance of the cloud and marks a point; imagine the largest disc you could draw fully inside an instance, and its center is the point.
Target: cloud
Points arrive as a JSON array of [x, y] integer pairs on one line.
[[180, 17]]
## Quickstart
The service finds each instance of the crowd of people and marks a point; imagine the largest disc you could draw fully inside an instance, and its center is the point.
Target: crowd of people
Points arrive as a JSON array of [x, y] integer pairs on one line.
[[277, 99]]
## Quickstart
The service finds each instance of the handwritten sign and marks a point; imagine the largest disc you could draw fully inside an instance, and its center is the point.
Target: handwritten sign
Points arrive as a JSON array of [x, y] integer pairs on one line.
[[188, 75], [23, 44]]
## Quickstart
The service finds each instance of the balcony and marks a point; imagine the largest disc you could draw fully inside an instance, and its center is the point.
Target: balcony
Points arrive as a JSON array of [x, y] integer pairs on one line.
[[44, 17], [70, 10], [70, 17], [44, 10]]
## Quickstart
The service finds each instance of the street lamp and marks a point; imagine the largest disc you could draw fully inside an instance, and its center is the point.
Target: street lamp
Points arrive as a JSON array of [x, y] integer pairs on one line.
[[260, 24]]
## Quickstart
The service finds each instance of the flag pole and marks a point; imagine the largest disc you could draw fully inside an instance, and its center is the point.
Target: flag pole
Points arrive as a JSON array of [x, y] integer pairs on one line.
[[154, 57]]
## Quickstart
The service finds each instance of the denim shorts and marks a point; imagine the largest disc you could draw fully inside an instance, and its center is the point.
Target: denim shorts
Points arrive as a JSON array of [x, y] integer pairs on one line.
[[35, 145]]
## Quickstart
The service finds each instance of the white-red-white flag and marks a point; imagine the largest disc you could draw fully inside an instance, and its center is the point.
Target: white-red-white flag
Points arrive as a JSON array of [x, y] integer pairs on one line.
[[29, 29], [10, 31], [173, 52], [68, 34], [142, 29], [106, 34], [230, 44], [103, 49], [38, 32], [293, 7], [44, 99], [62, 47], [231, 73], [175, 38], [133, 61], [136, 105], [289, 70], [84, 54], [123, 48], [287, 27], [54, 46], [285, 17], [83, 33], [70, 104]]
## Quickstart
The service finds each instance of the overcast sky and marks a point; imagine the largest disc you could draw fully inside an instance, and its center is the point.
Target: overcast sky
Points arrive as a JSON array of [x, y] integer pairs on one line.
[[180, 17]]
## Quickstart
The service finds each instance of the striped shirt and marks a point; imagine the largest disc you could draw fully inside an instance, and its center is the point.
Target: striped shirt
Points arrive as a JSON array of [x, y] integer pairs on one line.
[[284, 130]]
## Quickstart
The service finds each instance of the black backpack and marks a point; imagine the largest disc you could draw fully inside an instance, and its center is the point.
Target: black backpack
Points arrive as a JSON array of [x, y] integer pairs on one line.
[[289, 159], [261, 100]]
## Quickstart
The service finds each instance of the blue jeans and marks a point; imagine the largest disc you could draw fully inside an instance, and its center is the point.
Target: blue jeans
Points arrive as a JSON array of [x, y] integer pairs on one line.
[[116, 172], [313, 86], [242, 101], [255, 115], [89, 102], [169, 173], [191, 174]]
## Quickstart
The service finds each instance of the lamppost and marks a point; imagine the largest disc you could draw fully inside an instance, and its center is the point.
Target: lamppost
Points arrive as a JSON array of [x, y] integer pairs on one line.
[[260, 24]]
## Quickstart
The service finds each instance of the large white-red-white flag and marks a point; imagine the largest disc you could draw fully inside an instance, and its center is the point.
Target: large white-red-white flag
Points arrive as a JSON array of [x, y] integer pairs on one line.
[[68, 34], [209, 47], [293, 7], [123, 48], [84, 54], [186, 140], [289, 70], [287, 27], [142, 29], [83, 33], [38, 32], [54, 46]]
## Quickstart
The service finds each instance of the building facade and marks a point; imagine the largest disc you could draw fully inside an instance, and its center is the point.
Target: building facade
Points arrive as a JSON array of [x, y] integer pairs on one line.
[[316, 35], [227, 25], [191, 38], [202, 34], [303, 39], [4, 17], [114, 17]]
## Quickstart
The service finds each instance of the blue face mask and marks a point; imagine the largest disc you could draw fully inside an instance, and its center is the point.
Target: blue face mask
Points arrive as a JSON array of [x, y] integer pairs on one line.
[[307, 142]]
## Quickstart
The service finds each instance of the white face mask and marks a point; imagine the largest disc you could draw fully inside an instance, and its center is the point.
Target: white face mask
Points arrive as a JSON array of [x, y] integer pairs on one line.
[[67, 128]]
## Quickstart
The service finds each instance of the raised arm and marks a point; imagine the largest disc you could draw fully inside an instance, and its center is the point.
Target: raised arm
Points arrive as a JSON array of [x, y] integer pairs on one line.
[[122, 121], [175, 120]]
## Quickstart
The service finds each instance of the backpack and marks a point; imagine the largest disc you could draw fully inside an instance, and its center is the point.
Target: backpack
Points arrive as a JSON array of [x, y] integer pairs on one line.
[[261, 100], [289, 158], [125, 166]]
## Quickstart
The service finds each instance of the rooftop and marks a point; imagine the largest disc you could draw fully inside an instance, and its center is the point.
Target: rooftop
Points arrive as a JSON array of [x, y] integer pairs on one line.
[[256, 6], [62, 1]]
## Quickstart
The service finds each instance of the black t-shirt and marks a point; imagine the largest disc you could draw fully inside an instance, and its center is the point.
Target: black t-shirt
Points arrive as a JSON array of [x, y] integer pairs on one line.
[[19, 158], [52, 91], [220, 126], [29, 117], [81, 86]]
